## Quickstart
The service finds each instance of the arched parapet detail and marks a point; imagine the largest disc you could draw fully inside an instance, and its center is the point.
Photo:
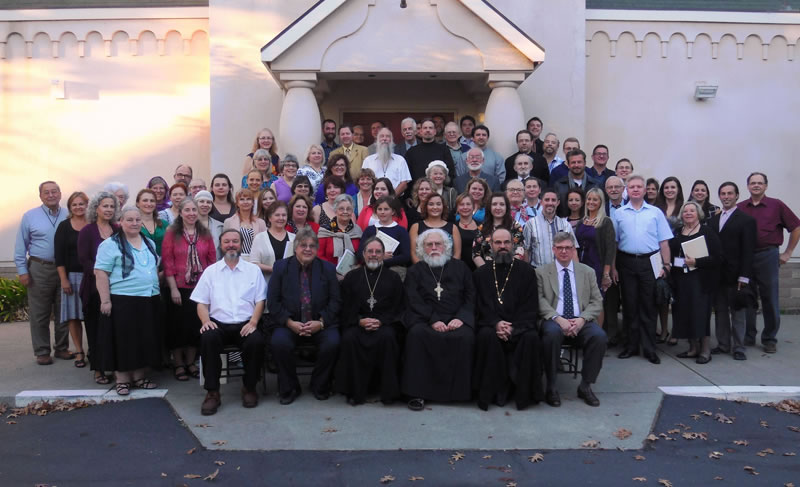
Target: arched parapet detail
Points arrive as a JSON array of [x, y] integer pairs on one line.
[[599, 44]]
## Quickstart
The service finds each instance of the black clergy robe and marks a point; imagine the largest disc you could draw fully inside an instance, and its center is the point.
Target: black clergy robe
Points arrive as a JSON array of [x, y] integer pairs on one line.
[[419, 156], [366, 355], [498, 363], [438, 365]]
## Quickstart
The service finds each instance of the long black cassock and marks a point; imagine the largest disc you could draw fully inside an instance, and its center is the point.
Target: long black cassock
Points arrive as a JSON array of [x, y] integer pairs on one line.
[[438, 365], [498, 364], [364, 354]]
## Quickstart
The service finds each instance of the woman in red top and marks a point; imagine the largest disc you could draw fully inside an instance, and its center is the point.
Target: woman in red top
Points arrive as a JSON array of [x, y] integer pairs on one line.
[[342, 234], [187, 250], [382, 187]]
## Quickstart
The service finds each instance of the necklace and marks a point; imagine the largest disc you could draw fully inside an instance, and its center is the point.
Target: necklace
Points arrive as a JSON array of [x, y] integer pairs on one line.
[[691, 230], [53, 221], [372, 301], [505, 283], [103, 235], [438, 289]]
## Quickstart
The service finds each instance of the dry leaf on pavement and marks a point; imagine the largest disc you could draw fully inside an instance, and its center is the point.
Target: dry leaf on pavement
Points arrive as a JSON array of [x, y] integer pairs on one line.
[[741, 442], [791, 428], [163, 474], [639, 458], [330, 430], [536, 458], [723, 419], [386, 479], [486, 457], [219, 462], [622, 433], [590, 444], [192, 476], [640, 479], [789, 454], [716, 455], [456, 456], [707, 413], [212, 476], [695, 417], [751, 470], [189, 452], [665, 482], [674, 431], [415, 478], [763, 424], [651, 437], [220, 442]]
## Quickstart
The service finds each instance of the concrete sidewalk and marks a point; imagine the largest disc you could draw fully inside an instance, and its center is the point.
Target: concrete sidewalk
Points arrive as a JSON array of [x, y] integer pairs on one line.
[[628, 391]]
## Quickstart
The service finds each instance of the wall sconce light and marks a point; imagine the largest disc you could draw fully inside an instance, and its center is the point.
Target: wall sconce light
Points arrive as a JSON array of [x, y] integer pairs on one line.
[[704, 92]]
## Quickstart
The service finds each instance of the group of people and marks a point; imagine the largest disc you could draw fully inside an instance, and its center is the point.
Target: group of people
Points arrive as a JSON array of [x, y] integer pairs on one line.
[[490, 263]]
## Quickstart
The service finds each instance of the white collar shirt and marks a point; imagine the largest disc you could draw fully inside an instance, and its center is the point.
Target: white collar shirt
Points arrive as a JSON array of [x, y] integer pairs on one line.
[[231, 294], [576, 310], [396, 170]]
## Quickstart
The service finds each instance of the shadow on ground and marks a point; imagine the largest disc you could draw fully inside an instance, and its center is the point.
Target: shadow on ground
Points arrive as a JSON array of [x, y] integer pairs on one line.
[[143, 442]]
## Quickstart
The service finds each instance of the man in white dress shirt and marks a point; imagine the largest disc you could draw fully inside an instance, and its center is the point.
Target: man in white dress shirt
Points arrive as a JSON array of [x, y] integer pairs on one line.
[[230, 299], [386, 164]]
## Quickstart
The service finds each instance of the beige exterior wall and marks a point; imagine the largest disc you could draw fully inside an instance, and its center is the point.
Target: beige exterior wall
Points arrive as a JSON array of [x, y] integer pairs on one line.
[[88, 97]]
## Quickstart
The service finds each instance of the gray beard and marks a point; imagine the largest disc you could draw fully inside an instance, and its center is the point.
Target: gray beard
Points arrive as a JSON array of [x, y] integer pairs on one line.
[[436, 261], [502, 257], [384, 152], [373, 266], [232, 255]]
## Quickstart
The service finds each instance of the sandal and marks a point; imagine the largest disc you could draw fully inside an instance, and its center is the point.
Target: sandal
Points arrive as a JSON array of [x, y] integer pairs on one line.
[[144, 384], [80, 362], [102, 379], [180, 373], [672, 342], [687, 354], [123, 388], [194, 371], [416, 404]]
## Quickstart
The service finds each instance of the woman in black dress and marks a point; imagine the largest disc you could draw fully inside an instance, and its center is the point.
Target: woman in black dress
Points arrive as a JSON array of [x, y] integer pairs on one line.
[[694, 281], [467, 228]]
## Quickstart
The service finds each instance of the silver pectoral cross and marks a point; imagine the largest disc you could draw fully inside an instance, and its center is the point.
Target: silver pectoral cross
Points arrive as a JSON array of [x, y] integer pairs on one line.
[[371, 301], [438, 289]]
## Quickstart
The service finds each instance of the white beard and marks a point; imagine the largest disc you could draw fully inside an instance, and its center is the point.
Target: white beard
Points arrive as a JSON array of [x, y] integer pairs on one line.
[[372, 265], [384, 152], [439, 261]]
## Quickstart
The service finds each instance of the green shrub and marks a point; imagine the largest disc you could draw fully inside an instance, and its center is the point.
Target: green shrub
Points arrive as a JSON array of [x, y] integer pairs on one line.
[[13, 300]]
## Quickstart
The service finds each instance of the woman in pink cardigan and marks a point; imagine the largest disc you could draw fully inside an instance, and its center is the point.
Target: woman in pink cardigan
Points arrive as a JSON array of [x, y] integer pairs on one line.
[[188, 248]]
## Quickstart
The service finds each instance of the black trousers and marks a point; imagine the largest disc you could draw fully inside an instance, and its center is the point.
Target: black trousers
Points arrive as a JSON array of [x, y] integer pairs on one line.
[[638, 302], [591, 338], [612, 325], [212, 342], [500, 364], [283, 343]]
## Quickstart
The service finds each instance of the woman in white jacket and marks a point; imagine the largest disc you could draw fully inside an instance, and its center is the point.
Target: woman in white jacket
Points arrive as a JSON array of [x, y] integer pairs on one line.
[[275, 243]]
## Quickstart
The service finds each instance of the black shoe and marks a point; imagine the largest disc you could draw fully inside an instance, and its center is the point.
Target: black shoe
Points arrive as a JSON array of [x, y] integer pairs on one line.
[[702, 359], [289, 397], [718, 351], [416, 404], [653, 358], [627, 354], [483, 405], [739, 356], [352, 401], [552, 398], [749, 342], [322, 396], [588, 396]]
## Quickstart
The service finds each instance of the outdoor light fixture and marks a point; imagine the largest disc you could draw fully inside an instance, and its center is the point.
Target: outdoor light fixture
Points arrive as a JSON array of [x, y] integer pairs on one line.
[[403, 4], [703, 92]]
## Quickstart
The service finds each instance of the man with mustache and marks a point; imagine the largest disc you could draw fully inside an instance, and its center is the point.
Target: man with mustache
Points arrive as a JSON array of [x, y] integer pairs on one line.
[[385, 163]]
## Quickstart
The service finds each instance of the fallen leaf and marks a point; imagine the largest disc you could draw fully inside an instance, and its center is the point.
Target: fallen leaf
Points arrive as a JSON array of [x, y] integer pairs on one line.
[[682, 425], [212, 476], [750, 469], [457, 456], [741, 442], [707, 413], [486, 457], [219, 442], [330, 430], [789, 454], [620, 448], [718, 478], [788, 484], [189, 452], [651, 437], [163, 474], [639, 458], [536, 458], [691, 435], [696, 417], [501, 468], [192, 476], [640, 479], [791, 428], [622, 433], [511, 484], [508, 413], [219, 462], [765, 452], [386, 479], [415, 478], [674, 431], [11, 422], [203, 425], [723, 419], [665, 482], [715, 455], [590, 444], [763, 424]]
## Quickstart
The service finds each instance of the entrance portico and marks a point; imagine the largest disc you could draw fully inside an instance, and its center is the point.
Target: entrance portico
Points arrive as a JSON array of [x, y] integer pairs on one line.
[[473, 56]]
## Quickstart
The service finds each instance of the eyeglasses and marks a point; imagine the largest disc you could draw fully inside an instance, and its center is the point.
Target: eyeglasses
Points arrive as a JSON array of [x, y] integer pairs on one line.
[[562, 248], [515, 190], [181, 175]]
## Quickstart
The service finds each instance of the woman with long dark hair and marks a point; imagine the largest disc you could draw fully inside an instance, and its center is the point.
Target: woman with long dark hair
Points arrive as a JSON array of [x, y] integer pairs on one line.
[[702, 196], [382, 188], [434, 215], [669, 201], [224, 206], [499, 217], [338, 166]]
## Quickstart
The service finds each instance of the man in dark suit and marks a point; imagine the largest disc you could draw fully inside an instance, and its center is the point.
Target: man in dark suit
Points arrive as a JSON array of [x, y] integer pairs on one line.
[[576, 178], [408, 127], [569, 304], [304, 304], [737, 231]]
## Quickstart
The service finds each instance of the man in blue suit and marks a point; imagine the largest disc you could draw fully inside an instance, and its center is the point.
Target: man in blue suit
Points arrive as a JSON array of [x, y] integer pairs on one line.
[[304, 303]]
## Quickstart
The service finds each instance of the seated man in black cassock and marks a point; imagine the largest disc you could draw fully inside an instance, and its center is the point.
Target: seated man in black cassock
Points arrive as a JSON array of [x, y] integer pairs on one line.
[[508, 346], [440, 320], [304, 303], [371, 323], [569, 304]]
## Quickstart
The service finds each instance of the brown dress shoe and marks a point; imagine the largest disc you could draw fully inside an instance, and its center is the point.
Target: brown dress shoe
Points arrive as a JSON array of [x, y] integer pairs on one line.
[[210, 403], [44, 359], [64, 354], [249, 398]]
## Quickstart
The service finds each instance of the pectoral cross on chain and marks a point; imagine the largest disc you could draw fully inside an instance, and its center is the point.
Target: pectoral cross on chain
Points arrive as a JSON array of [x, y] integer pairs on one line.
[[438, 290], [371, 301]]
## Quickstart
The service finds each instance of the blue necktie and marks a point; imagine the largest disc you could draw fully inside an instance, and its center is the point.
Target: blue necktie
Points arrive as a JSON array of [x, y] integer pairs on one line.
[[567, 293]]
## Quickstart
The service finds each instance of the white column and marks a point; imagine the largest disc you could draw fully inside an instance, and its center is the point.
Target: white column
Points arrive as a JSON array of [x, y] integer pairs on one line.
[[504, 115], [300, 119]]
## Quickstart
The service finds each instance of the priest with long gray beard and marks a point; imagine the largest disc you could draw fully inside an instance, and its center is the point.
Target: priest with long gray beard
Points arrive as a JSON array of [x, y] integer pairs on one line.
[[440, 321], [371, 326]]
